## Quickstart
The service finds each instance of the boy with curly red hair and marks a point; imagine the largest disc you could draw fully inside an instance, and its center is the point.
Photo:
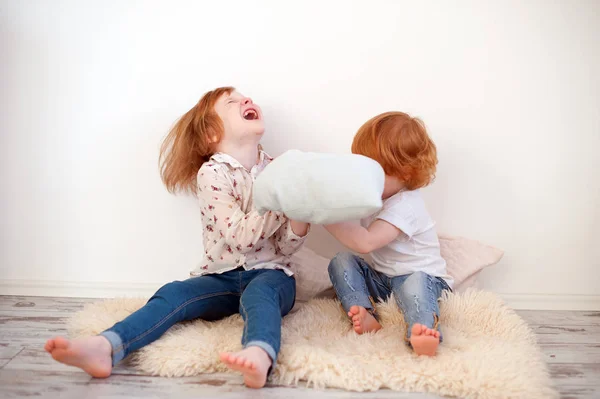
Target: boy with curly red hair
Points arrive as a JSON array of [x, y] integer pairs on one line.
[[401, 237]]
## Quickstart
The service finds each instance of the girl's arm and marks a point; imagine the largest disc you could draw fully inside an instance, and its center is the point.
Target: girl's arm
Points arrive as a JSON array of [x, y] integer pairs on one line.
[[290, 236], [221, 211], [359, 239]]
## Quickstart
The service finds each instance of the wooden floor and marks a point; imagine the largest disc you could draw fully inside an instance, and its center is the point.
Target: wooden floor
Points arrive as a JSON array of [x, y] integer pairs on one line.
[[570, 341]]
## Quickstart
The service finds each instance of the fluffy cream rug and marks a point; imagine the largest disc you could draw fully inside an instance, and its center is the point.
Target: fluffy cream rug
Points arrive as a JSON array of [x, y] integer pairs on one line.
[[488, 350]]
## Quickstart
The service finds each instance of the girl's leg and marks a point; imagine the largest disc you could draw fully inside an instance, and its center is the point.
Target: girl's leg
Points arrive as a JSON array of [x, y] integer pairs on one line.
[[356, 284], [417, 295], [209, 297], [268, 296]]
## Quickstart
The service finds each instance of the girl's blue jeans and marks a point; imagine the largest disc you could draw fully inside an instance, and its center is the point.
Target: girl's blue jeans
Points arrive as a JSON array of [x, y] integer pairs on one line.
[[262, 297]]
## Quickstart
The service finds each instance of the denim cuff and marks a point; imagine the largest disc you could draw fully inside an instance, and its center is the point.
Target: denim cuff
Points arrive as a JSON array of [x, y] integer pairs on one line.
[[118, 351], [267, 348], [358, 299]]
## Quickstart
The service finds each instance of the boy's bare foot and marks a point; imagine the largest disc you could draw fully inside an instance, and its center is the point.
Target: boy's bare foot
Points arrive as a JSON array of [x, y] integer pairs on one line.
[[253, 362], [424, 340], [362, 320], [91, 354]]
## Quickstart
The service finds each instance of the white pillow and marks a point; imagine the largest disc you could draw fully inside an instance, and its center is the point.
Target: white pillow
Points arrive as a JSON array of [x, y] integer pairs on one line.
[[320, 188]]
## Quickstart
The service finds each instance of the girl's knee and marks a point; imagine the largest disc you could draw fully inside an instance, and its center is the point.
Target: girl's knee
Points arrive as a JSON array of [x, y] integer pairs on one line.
[[266, 295], [273, 288], [169, 287], [170, 291]]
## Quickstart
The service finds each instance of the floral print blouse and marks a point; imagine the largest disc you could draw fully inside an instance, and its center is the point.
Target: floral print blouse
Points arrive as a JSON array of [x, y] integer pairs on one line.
[[234, 233]]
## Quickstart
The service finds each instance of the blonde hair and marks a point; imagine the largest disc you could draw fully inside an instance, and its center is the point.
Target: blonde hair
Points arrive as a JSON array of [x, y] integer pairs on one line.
[[401, 145], [190, 143]]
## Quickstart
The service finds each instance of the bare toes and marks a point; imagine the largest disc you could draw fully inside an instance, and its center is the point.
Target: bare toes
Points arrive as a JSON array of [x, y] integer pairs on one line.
[[225, 357], [354, 310], [61, 343]]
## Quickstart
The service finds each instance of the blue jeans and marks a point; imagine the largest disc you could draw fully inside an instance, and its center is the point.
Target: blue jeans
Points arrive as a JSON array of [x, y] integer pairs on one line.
[[262, 297], [417, 294]]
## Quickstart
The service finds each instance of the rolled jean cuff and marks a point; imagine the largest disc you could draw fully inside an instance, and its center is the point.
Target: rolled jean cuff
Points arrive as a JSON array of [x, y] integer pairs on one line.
[[118, 351], [267, 348], [356, 299]]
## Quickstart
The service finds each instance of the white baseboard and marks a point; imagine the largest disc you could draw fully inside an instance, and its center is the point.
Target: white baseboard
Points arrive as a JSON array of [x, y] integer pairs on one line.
[[77, 289], [552, 301], [86, 289]]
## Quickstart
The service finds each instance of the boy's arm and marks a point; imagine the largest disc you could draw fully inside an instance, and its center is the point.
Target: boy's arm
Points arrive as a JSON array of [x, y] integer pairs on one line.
[[359, 239]]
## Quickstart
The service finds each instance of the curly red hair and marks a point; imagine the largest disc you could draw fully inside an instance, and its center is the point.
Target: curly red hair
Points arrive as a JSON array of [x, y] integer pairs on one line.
[[401, 145]]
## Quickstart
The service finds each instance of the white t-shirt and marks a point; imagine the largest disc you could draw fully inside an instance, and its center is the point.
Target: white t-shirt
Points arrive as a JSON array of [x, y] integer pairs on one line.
[[417, 248]]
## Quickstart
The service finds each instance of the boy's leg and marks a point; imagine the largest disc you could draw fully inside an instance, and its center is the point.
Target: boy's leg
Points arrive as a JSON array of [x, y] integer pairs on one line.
[[268, 296], [209, 297], [356, 284], [417, 295]]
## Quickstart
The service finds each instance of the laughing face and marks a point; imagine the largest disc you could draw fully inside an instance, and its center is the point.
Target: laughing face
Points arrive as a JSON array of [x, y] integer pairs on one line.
[[242, 119]]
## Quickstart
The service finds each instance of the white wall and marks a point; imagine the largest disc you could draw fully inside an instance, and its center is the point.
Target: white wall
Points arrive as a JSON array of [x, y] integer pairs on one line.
[[509, 91]]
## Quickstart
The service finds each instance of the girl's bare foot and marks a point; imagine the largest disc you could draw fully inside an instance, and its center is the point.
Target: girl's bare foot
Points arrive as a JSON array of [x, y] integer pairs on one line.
[[362, 320], [424, 340], [253, 362], [92, 354]]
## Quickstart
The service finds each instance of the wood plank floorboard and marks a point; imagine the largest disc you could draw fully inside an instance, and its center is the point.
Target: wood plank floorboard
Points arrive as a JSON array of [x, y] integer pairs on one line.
[[570, 342]]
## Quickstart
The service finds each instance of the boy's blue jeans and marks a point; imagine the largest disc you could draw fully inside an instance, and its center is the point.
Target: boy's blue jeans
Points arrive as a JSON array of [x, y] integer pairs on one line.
[[262, 297], [417, 294]]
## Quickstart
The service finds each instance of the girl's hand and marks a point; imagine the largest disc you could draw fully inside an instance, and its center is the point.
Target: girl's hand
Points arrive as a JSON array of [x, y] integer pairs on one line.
[[299, 228]]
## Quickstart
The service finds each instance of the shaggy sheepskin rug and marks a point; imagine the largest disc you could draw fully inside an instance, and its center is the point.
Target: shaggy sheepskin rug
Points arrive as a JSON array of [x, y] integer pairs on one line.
[[488, 350]]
